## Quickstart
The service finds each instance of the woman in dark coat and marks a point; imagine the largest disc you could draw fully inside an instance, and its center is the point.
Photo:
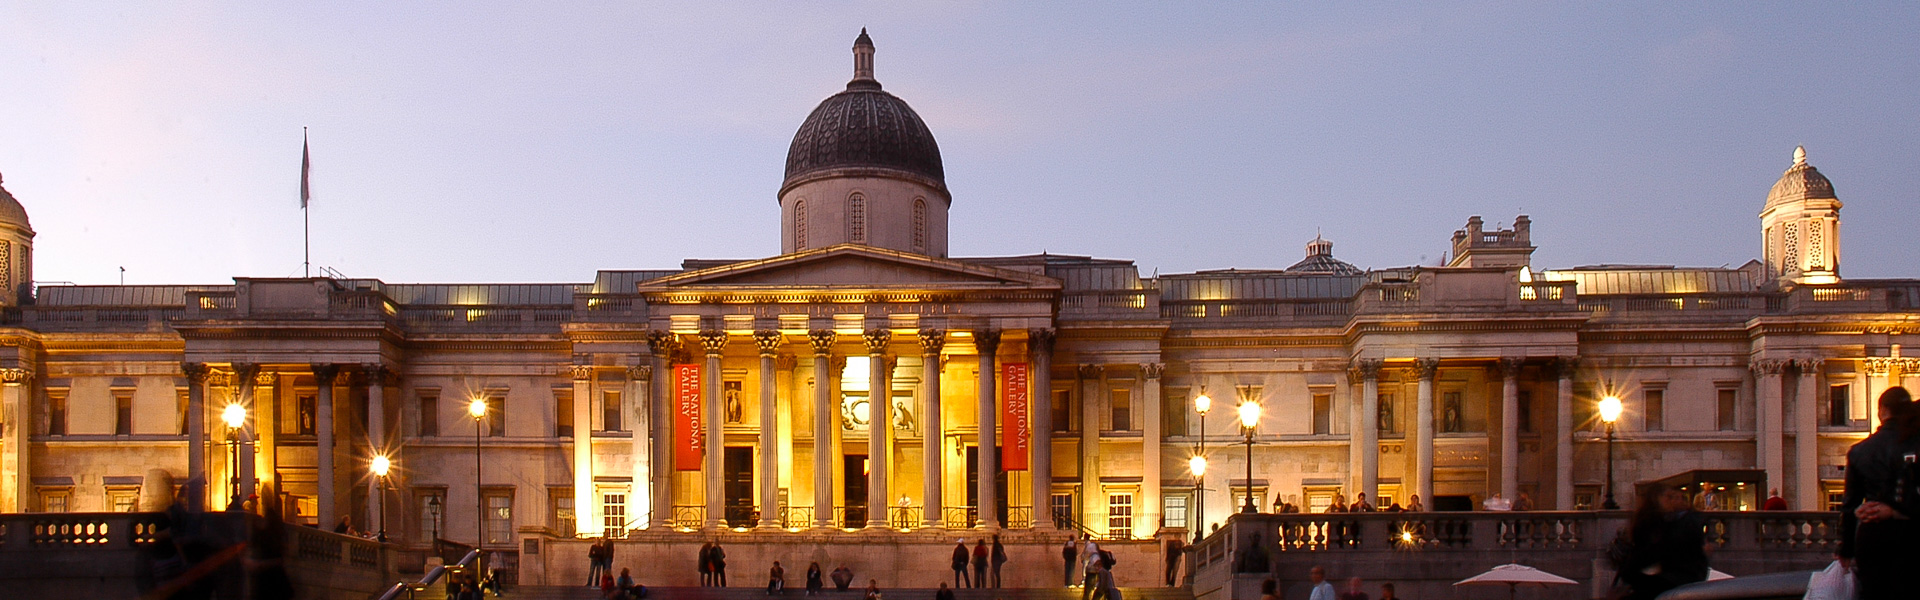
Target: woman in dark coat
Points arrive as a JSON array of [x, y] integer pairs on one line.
[[1666, 544], [1879, 541]]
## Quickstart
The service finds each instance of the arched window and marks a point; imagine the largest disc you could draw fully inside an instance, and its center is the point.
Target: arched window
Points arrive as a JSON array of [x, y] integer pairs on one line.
[[857, 219], [920, 224], [800, 225]]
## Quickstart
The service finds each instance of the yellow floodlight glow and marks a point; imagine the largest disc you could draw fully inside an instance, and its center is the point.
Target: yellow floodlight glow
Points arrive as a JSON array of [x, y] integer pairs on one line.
[[1202, 403], [1197, 464], [234, 415], [477, 408], [380, 466], [1610, 409], [1249, 414]]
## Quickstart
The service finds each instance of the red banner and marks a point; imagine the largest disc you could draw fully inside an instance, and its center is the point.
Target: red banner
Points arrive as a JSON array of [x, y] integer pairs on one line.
[[1014, 450], [689, 435]]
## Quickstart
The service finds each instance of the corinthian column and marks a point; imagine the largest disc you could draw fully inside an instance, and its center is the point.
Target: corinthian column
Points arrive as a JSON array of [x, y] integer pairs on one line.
[[1041, 406], [660, 344], [1366, 428], [932, 436], [879, 425], [1149, 452], [714, 342], [196, 430], [1425, 369], [323, 376], [583, 496], [1510, 427], [16, 418], [1770, 435], [1806, 435], [768, 341], [823, 450], [987, 343], [1564, 367]]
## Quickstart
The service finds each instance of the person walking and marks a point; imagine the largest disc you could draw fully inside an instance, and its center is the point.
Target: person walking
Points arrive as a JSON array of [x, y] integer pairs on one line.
[[1317, 578], [1666, 544], [999, 558], [960, 579], [1879, 541], [1089, 561], [706, 564], [814, 579], [980, 556], [776, 579], [1068, 551], [719, 566]]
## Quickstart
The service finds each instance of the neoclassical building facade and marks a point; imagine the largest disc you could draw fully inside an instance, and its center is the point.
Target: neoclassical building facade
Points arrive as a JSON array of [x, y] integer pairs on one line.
[[863, 378]]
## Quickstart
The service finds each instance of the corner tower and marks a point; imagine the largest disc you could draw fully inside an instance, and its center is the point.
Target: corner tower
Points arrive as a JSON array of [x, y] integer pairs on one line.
[[16, 251], [1801, 226], [864, 169]]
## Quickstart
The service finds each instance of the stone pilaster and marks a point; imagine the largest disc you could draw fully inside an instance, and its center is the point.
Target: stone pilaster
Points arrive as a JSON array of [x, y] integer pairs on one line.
[[1365, 431], [16, 457], [378, 440], [1092, 389], [241, 478], [196, 374], [1564, 369], [640, 444], [1806, 435], [1425, 370], [1149, 452], [1770, 431], [1510, 427], [585, 509], [932, 436], [768, 341], [324, 376]]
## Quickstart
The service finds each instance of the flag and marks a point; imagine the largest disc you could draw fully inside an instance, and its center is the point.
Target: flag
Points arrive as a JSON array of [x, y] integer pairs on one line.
[[306, 168]]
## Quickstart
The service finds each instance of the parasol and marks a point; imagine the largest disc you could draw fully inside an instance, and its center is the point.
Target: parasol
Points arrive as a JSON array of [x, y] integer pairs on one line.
[[1514, 576]]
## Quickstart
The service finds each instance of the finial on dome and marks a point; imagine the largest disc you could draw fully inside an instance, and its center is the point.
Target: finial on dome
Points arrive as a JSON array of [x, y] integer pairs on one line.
[[862, 57], [1799, 155]]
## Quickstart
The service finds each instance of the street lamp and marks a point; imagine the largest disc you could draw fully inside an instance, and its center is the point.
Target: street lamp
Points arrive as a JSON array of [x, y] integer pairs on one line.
[[1610, 412], [1249, 419], [235, 416], [433, 522], [379, 467], [1201, 404], [478, 408]]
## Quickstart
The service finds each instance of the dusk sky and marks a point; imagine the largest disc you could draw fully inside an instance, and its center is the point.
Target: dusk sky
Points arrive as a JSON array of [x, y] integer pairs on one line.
[[510, 142]]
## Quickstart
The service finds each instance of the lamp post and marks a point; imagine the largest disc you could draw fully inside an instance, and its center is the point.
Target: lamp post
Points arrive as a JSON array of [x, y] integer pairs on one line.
[[478, 408], [234, 416], [1201, 404], [1610, 412], [433, 522], [1249, 419], [379, 467]]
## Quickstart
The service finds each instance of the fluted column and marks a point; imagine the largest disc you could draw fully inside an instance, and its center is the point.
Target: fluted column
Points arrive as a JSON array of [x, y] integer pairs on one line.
[[640, 467], [714, 342], [323, 377], [768, 341], [879, 425], [242, 470], [376, 375], [1091, 390], [1149, 452], [1510, 427], [584, 506], [1806, 435], [932, 435], [987, 343], [1869, 370], [262, 435], [1425, 369], [1366, 428], [1040, 404], [16, 417], [1565, 367], [196, 430], [823, 449], [661, 344], [1770, 432]]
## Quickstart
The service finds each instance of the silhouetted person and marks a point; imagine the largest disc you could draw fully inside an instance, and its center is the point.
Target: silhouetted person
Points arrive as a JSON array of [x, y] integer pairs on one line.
[[776, 579], [980, 556], [1879, 540], [814, 579], [960, 578], [1667, 544], [999, 558], [1068, 552], [944, 593], [719, 565], [706, 564], [1175, 549], [1354, 590]]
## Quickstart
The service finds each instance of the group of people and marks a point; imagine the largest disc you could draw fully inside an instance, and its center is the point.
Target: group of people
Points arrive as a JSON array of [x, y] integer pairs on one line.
[[1095, 568], [984, 560], [600, 574], [1321, 589], [777, 579], [1359, 504]]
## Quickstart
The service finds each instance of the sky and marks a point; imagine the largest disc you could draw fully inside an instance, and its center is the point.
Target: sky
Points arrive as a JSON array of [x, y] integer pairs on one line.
[[539, 142]]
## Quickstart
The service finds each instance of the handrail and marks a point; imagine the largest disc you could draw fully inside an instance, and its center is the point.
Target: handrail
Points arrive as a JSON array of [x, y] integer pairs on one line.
[[431, 576]]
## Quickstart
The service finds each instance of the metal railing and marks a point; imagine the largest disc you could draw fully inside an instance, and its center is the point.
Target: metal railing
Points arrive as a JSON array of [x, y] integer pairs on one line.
[[796, 517], [433, 575], [684, 515]]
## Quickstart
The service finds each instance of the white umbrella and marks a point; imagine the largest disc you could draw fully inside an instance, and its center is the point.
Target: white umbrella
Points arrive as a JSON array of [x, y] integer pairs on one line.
[[1514, 575], [1716, 575]]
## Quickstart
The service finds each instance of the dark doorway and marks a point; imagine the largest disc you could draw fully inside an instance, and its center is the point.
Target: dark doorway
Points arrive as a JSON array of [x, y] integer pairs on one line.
[[855, 489], [739, 485], [973, 488]]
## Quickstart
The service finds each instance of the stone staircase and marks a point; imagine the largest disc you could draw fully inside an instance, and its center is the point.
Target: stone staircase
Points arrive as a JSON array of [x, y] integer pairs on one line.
[[545, 592]]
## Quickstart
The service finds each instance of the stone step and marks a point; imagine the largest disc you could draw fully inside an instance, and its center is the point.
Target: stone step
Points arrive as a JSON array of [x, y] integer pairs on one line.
[[554, 592]]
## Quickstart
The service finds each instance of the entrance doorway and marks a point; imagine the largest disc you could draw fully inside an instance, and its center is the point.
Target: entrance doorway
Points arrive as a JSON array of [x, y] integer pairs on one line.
[[738, 481], [973, 488], [854, 490]]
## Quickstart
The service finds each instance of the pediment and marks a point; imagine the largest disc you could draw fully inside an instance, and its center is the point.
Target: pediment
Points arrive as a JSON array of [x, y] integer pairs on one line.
[[853, 266]]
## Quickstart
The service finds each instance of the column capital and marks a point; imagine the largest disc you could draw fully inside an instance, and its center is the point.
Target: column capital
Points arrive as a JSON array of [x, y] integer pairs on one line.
[[580, 372], [1042, 339], [786, 362], [713, 341], [986, 341], [877, 340], [196, 373], [768, 340], [662, 343], [932, 341], [1092, 371], [1152, 370], [1509, 367], [1369, 368], [324, 373], [1876, 365], [266, 378], [244, 372], [15, 376], [1808, 365], [1564, 367], [641, 372], [822, 341], [1768, 366], [1426, 368]]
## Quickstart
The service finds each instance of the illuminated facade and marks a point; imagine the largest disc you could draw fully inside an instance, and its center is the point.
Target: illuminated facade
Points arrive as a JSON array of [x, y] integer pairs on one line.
[[757, 393]]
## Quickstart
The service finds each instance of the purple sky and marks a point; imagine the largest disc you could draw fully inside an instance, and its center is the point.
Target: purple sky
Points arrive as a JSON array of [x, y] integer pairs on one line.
[[467, 141]]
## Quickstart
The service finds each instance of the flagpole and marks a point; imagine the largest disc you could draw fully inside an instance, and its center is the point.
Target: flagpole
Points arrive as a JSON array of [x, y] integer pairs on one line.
[[306, 220]]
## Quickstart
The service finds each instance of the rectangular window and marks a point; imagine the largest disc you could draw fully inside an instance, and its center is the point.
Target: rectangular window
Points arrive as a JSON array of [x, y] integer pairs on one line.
[[1173, 411], [123, 412], [429, 417], [57, 412], [560, 514], [308, 409], [1654, 405], [1063, 410], [56, 500], [610, 411], [1121, 402], [613, 511], [497, 414], [1322, 414], [563, 411], [122, 500], [1839, 405], [1062, 508], [1586, 497], [1725, 409], [430, 507], [180, 410], [499, 516], [1526, 411], [1120, 515], [1176, 510]]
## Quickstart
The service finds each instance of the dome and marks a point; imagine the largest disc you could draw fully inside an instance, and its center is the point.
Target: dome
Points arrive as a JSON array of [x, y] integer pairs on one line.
[[11, 212], [1800, 182], [864, 128], [1320, 260]]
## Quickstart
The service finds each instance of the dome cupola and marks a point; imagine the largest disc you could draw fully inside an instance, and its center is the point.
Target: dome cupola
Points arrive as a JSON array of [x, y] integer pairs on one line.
[[1800, 226], [16, 251]]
